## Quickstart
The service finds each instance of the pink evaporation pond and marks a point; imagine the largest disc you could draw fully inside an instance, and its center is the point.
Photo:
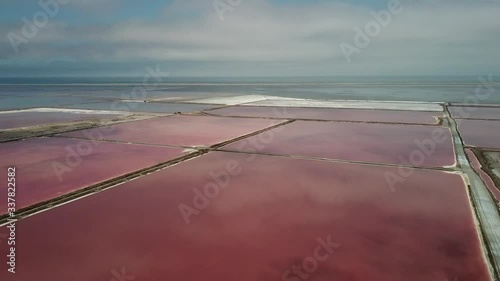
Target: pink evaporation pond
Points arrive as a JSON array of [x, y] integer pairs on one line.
[[427, 146], [269, 215], [180, 130], [480, 133], [476, 165], [47, 168], [462, 112], [361, 115], [25, 119]]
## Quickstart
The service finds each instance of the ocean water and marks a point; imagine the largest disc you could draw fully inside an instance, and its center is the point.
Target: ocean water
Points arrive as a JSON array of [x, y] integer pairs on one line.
[[17, 93]]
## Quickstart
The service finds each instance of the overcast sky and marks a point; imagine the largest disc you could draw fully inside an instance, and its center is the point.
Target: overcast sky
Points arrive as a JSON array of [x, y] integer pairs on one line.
[[255, 38]]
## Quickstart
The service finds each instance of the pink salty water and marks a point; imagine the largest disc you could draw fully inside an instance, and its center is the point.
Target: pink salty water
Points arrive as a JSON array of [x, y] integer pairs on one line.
[[268, 215]]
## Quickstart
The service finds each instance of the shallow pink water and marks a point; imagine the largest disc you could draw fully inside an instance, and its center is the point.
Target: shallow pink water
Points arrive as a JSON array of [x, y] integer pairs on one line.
[[480, 133], [379, 143], [475, 112], [366, 115], [484, 176], [79, 163], [25, 119], [266, 218], [181, 130]]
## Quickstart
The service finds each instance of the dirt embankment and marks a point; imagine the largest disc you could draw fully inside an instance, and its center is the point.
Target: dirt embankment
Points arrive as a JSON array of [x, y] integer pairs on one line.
[[490, 160], [51, 129]]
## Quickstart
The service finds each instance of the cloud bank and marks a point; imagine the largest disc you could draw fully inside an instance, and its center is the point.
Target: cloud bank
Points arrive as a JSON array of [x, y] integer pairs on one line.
[[261, 38]]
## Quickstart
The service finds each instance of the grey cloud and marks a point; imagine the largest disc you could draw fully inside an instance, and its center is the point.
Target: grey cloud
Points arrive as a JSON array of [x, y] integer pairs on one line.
[[425, 37]]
